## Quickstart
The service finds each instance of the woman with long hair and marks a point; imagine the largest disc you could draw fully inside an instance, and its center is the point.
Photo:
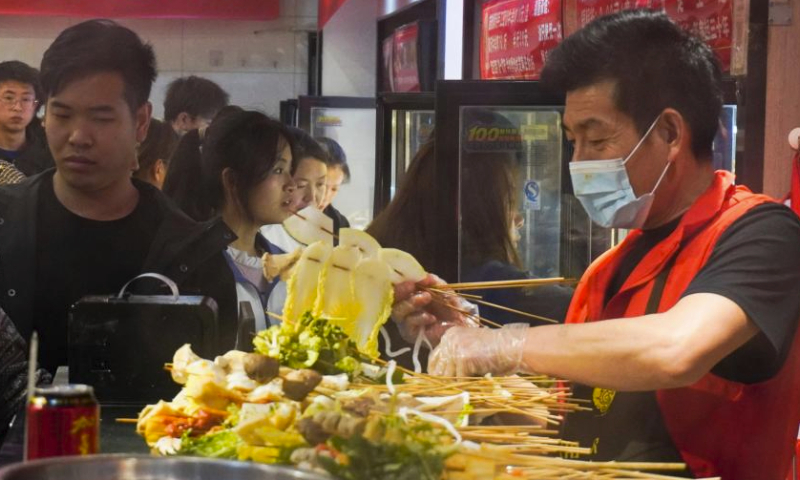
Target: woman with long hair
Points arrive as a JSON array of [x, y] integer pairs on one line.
[[489, 226], [245, 160]]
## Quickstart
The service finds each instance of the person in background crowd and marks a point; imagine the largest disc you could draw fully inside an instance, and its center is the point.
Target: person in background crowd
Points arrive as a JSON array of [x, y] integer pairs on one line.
[[192, 102], [23, 147], [88, 227], [310, 175], [338, 173], [185, 160], [244, 176], [683, 339], [155, 152], [488, 228]]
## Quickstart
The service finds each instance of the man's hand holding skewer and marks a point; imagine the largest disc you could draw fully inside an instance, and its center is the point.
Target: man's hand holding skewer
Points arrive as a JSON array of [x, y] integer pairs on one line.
[[417, 308]]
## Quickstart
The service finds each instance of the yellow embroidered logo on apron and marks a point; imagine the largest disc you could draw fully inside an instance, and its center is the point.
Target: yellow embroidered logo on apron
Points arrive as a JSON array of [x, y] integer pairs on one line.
[[602, 398]]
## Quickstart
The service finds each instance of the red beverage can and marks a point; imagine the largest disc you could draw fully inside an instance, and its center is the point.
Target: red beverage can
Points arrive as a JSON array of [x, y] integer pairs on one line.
[[62, 420]]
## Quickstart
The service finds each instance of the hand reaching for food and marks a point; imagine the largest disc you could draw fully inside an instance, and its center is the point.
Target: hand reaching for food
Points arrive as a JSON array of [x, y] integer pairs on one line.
[[418, 308], [466, 352]]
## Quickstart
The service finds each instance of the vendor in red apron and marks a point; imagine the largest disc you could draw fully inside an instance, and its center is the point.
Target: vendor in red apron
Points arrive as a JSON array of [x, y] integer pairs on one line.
[[682, 338]]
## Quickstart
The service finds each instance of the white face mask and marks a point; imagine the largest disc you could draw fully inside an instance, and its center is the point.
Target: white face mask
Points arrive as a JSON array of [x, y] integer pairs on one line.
[[604, 189]]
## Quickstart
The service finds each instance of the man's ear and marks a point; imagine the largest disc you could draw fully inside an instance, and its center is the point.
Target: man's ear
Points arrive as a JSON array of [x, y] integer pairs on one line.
[[182, 122], [159, 171], [675, 132], [142, 118]]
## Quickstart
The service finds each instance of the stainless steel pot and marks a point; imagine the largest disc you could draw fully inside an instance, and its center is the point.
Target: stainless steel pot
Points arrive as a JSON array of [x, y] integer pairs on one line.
[[143, 467]]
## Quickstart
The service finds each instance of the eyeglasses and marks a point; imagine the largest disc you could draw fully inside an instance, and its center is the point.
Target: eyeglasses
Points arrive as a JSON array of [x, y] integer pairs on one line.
[[9, 101]]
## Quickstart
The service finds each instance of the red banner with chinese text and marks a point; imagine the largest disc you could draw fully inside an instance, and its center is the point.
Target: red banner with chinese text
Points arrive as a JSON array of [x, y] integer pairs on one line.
[[516, 36], [711, 20], [405, 69], [225, 9], [588, 10]]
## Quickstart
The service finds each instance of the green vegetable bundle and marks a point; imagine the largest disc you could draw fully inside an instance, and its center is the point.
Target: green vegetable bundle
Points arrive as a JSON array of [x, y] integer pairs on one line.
[[310, 343]]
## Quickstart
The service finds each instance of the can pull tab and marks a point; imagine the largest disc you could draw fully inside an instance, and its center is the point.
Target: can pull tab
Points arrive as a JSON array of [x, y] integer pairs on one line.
[[167, 281]]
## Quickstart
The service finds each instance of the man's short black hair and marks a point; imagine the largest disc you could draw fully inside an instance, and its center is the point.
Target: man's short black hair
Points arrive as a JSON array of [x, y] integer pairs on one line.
[[654, 63], [16, 71], [98, 46], [194, 95]]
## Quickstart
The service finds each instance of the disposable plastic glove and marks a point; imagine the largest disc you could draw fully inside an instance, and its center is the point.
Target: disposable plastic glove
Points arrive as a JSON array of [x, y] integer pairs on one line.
[[416, 309], [467, 352]]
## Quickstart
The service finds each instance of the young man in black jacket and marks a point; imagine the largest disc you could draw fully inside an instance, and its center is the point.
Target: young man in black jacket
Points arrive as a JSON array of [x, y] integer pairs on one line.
[[22, 141], [87, 227]]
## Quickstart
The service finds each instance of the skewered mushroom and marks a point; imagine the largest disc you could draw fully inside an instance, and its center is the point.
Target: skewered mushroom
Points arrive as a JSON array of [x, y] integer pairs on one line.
[[261, 368], [298, 384]]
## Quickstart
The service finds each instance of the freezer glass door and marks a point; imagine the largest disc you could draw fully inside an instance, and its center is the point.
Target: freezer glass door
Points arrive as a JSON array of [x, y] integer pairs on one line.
[[516, 204], [725, 142], [410, 130]]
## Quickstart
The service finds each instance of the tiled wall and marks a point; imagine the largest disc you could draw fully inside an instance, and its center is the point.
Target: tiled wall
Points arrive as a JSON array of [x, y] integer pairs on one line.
[[258, 63]]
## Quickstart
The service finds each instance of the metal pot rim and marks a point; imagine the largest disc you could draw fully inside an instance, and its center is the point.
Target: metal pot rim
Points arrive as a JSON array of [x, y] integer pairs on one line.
[[9, 470]]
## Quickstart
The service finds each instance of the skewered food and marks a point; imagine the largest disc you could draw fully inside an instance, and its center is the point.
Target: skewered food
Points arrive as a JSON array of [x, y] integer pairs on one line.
[[302, 286], [280, 265], [310, 225], [364, 242]]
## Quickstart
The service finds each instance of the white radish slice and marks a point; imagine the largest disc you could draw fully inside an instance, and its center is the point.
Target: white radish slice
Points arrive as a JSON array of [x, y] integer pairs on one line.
[[404, 267], [301, 290], [374, 296], [351, 237], [335, 296], [310, 225]]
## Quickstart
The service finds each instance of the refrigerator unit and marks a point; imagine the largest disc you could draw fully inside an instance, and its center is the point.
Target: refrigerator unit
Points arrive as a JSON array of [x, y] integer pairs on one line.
[[405, 123], [518, 122], [350, 121]]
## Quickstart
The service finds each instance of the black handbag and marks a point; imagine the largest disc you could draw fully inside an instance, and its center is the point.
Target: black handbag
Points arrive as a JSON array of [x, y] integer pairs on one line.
[[119, 344]]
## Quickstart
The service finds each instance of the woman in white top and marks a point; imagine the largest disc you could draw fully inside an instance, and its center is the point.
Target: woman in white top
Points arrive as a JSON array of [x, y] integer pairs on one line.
[[245, 160]]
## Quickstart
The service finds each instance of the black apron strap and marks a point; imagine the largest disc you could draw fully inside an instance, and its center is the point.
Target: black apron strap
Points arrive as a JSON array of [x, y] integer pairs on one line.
[[658, 287]]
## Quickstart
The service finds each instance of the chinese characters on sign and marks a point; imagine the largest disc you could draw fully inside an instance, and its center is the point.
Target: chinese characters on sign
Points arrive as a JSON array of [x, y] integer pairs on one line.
[[711, 20], [516, 36], [588, 10], [405, 70]]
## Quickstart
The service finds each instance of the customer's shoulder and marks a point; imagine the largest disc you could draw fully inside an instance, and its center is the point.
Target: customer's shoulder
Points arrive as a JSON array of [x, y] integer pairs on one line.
[[28, 188]]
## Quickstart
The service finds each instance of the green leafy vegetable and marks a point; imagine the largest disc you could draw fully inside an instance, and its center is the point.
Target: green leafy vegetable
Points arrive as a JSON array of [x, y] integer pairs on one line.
[[392, 450], [310, 343], [222, 444]]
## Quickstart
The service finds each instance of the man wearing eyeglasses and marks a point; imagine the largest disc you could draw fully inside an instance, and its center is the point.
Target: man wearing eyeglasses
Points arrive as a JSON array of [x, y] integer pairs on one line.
[[23, 147]]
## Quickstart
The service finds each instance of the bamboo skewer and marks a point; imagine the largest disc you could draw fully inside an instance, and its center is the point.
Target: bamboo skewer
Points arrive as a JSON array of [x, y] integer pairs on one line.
[[454, 293], [518, 312], [529, 282], [478, 318], [478, 299]]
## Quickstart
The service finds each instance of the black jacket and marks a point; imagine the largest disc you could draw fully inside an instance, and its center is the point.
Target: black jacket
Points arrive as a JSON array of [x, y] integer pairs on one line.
[[35, 156], [188, 252], [339, 220]]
